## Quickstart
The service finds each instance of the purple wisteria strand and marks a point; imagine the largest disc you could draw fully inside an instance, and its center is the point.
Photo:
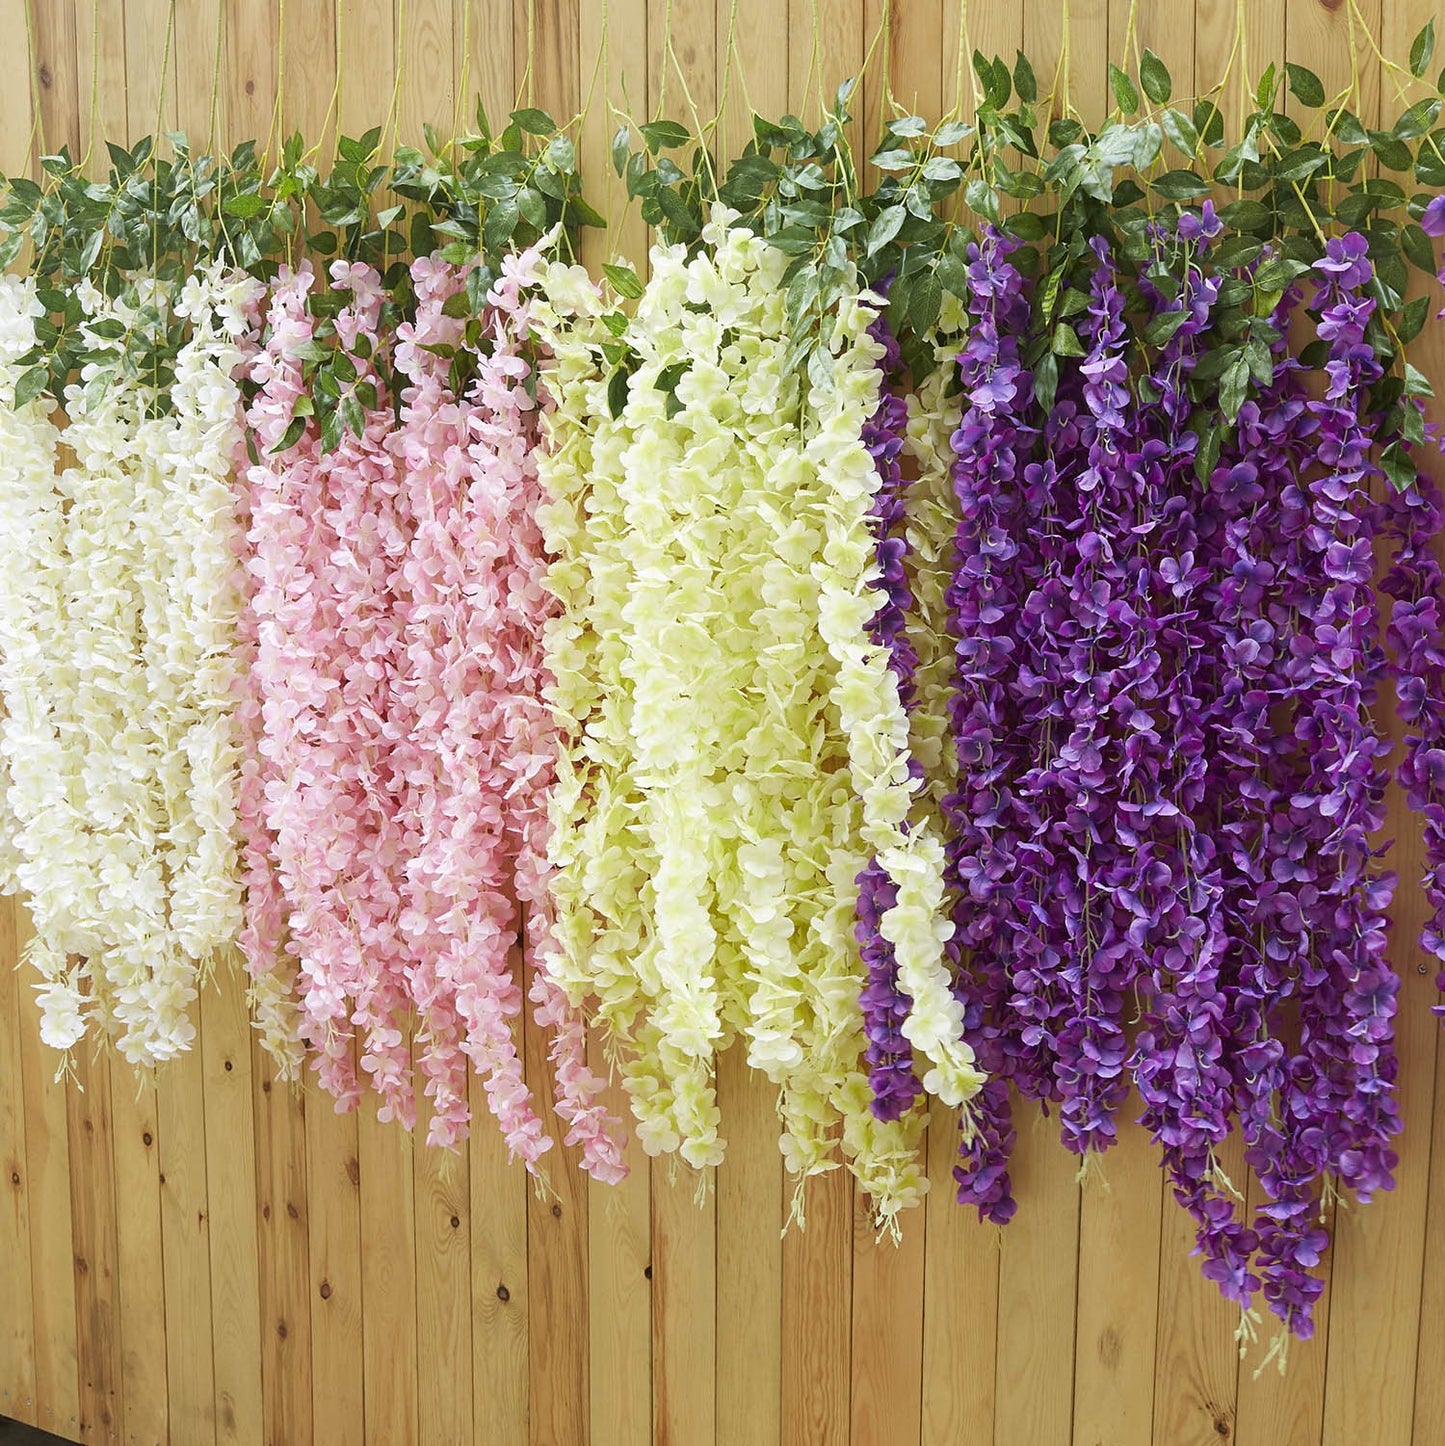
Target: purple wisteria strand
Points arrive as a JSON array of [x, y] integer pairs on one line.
[[1179, 1062], [991, 449], [1335, 1104], [891, 1076], [1416, 635]]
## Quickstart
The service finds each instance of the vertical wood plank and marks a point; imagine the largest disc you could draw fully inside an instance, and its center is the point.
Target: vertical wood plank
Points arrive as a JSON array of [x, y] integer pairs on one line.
[[752, 70], [16, 111], [619, 1295], [1286, 1407], [428, 78], [57, 75], [333, 1240], [1195, 1356], [367, 64], [101, 80], [482, 30], [818, 1315], [887, 1347], [684, 1306], [310, 96], [52, 1255], [558, 1294], [499, 1282], [186, 1222], [749, 1258], [1379, 1250], [1038, 1267], [147, 79], [17, 1326], [820, 60], [200, 48], [143, 1396], [621, 83], [228, 1097], [283, 1253], [443, 1210], [960, 1305], [1119, 1217], [1429, 1379], [250, 66], [93, 1234], [388, 1277]]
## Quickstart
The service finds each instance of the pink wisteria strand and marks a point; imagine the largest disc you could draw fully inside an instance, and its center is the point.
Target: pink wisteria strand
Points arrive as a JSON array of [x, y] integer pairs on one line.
[[402, 752], [486, 746]]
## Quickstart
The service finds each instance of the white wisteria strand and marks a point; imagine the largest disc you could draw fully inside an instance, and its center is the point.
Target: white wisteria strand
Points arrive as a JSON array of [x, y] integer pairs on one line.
[[117, 666]]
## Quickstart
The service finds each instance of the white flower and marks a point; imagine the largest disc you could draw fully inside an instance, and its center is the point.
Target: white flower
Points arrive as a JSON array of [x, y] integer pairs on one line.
[[116, 675]]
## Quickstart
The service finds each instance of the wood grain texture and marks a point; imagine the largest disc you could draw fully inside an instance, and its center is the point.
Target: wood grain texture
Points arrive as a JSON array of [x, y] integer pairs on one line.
[[818, 1315], [17, 1327], [222, 1258], [499, 1281], [144, 1394]]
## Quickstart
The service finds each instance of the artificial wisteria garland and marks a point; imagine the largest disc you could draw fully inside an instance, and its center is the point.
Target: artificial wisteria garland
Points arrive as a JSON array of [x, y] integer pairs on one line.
[[118, 670], [943, 657], [737, 740], [396, 793]]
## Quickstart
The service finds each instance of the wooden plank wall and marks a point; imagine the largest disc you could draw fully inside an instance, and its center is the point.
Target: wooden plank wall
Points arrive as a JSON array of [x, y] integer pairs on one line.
[[209, 1257]]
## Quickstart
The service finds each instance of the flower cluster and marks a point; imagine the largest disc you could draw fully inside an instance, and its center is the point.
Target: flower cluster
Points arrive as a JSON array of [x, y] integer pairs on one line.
[[736, 741], [118, 669], [1168, 772], [402, 750]]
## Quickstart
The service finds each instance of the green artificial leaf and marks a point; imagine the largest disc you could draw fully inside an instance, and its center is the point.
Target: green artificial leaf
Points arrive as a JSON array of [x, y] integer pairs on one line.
[[1417, 384], [1209, 123], [885, 227], [1066, 342], [1154, 77], [1305, 86], [981, 198], [664, 134], [1180, 129], [1397, 465], [950, 133], [1418, 248], [244, 206], [1206, 456], [535, 122], [1025, 82], [666, 381], [623, 280], [942, 168], [1422, 49], [617, 393], [924, 302], [621, 148], [1046, 380], [1394, 154], [1412, 319], [290, 436], [1180, 186], [1233, 386], [29, 385], [1417, 119], [892, 160], [1126, 96], [1163, 326], [1265, 90]]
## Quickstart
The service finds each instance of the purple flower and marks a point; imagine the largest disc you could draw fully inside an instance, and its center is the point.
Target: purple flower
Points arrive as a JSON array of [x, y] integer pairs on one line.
[[1432, 223]]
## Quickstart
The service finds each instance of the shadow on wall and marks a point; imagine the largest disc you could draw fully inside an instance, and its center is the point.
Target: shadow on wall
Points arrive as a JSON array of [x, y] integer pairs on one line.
[[12, 1433]]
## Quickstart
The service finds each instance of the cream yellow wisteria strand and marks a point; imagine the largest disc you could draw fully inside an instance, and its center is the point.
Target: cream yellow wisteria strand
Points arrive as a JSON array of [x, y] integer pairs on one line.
[[737, 749]]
